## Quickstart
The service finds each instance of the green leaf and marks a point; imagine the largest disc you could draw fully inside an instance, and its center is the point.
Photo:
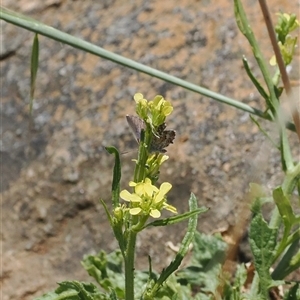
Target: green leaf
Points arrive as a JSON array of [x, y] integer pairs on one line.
[[289, 262], [284, 206], [54, 296], [285, 151], [107, 212], [178, 218], [258, 86], [107, 270], [95, 265], [263, 132], [188, 238], [113, 296], [86, 291], [116, 176], [171, 289], [239, 17], [245, 28], [263, 243], [33, 69], [208, 255], [75, 290], [293, 293], [240, 279], [208, 249]]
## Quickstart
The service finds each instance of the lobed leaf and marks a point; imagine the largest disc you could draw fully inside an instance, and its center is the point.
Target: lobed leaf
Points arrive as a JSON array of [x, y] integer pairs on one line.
[[115, 188]]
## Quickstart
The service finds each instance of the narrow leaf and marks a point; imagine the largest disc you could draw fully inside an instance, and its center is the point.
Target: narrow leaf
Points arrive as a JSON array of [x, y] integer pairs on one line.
[[107, 212], [38, 27], [293, 293], [264, 132], [285, 151], [116, 176], [209, 252], [284, 206], [288, 263], [244, 26], [33, 69], [258, 86], [187, 240], [177, 219]]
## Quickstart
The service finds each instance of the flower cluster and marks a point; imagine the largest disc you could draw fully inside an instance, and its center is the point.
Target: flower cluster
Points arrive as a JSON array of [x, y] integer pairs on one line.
[[153, 112], [154, 162], [287, 44], [147, 199]]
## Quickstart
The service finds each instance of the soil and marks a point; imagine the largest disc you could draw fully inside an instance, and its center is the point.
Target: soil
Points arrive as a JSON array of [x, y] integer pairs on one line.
[[54, 167]]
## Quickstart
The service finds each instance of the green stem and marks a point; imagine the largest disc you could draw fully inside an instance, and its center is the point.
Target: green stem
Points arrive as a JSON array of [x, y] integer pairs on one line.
[[140, 225], [139, 172], [289, 180], [245, 28], [139, 176], [129, 265], [272, 102], [50, 32]]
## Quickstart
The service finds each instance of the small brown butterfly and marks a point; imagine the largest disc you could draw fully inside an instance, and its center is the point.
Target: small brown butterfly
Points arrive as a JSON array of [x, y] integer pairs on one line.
[[163, 139]]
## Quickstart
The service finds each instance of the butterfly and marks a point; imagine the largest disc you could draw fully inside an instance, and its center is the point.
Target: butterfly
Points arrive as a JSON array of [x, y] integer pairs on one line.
[[159, 142]]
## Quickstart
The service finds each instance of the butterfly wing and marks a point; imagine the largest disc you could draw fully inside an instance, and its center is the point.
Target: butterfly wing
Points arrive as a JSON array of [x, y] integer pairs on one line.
[[163, 140], [136, 125], [160, 141]]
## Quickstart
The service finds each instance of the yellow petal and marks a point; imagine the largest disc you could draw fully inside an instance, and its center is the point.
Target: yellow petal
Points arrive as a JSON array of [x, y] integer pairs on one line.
[[168, 108], [146, 188], [135, 211], [273, 61], [165, 187], [148, 180], [163, 190], [286, 16], [138, 97], [125, 195], [170, 208], [157, 101], [155, 213], [163, 159]]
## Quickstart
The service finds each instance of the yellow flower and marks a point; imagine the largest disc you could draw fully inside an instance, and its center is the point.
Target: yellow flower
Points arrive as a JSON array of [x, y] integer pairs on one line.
[[147, 199], [153, 163], [160, 109], [154, 111], [287, 51], [138, 97], [141, 105]]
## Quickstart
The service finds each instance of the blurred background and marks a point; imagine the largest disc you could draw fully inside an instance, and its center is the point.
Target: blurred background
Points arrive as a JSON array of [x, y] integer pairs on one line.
[[54, 166]]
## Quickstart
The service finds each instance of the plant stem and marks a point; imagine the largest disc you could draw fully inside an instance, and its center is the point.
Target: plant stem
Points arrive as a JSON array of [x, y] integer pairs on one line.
[[273, 101], [139, 172], [38, 27], [289, 179], [244, 26], [139, 176], [129, 265]]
